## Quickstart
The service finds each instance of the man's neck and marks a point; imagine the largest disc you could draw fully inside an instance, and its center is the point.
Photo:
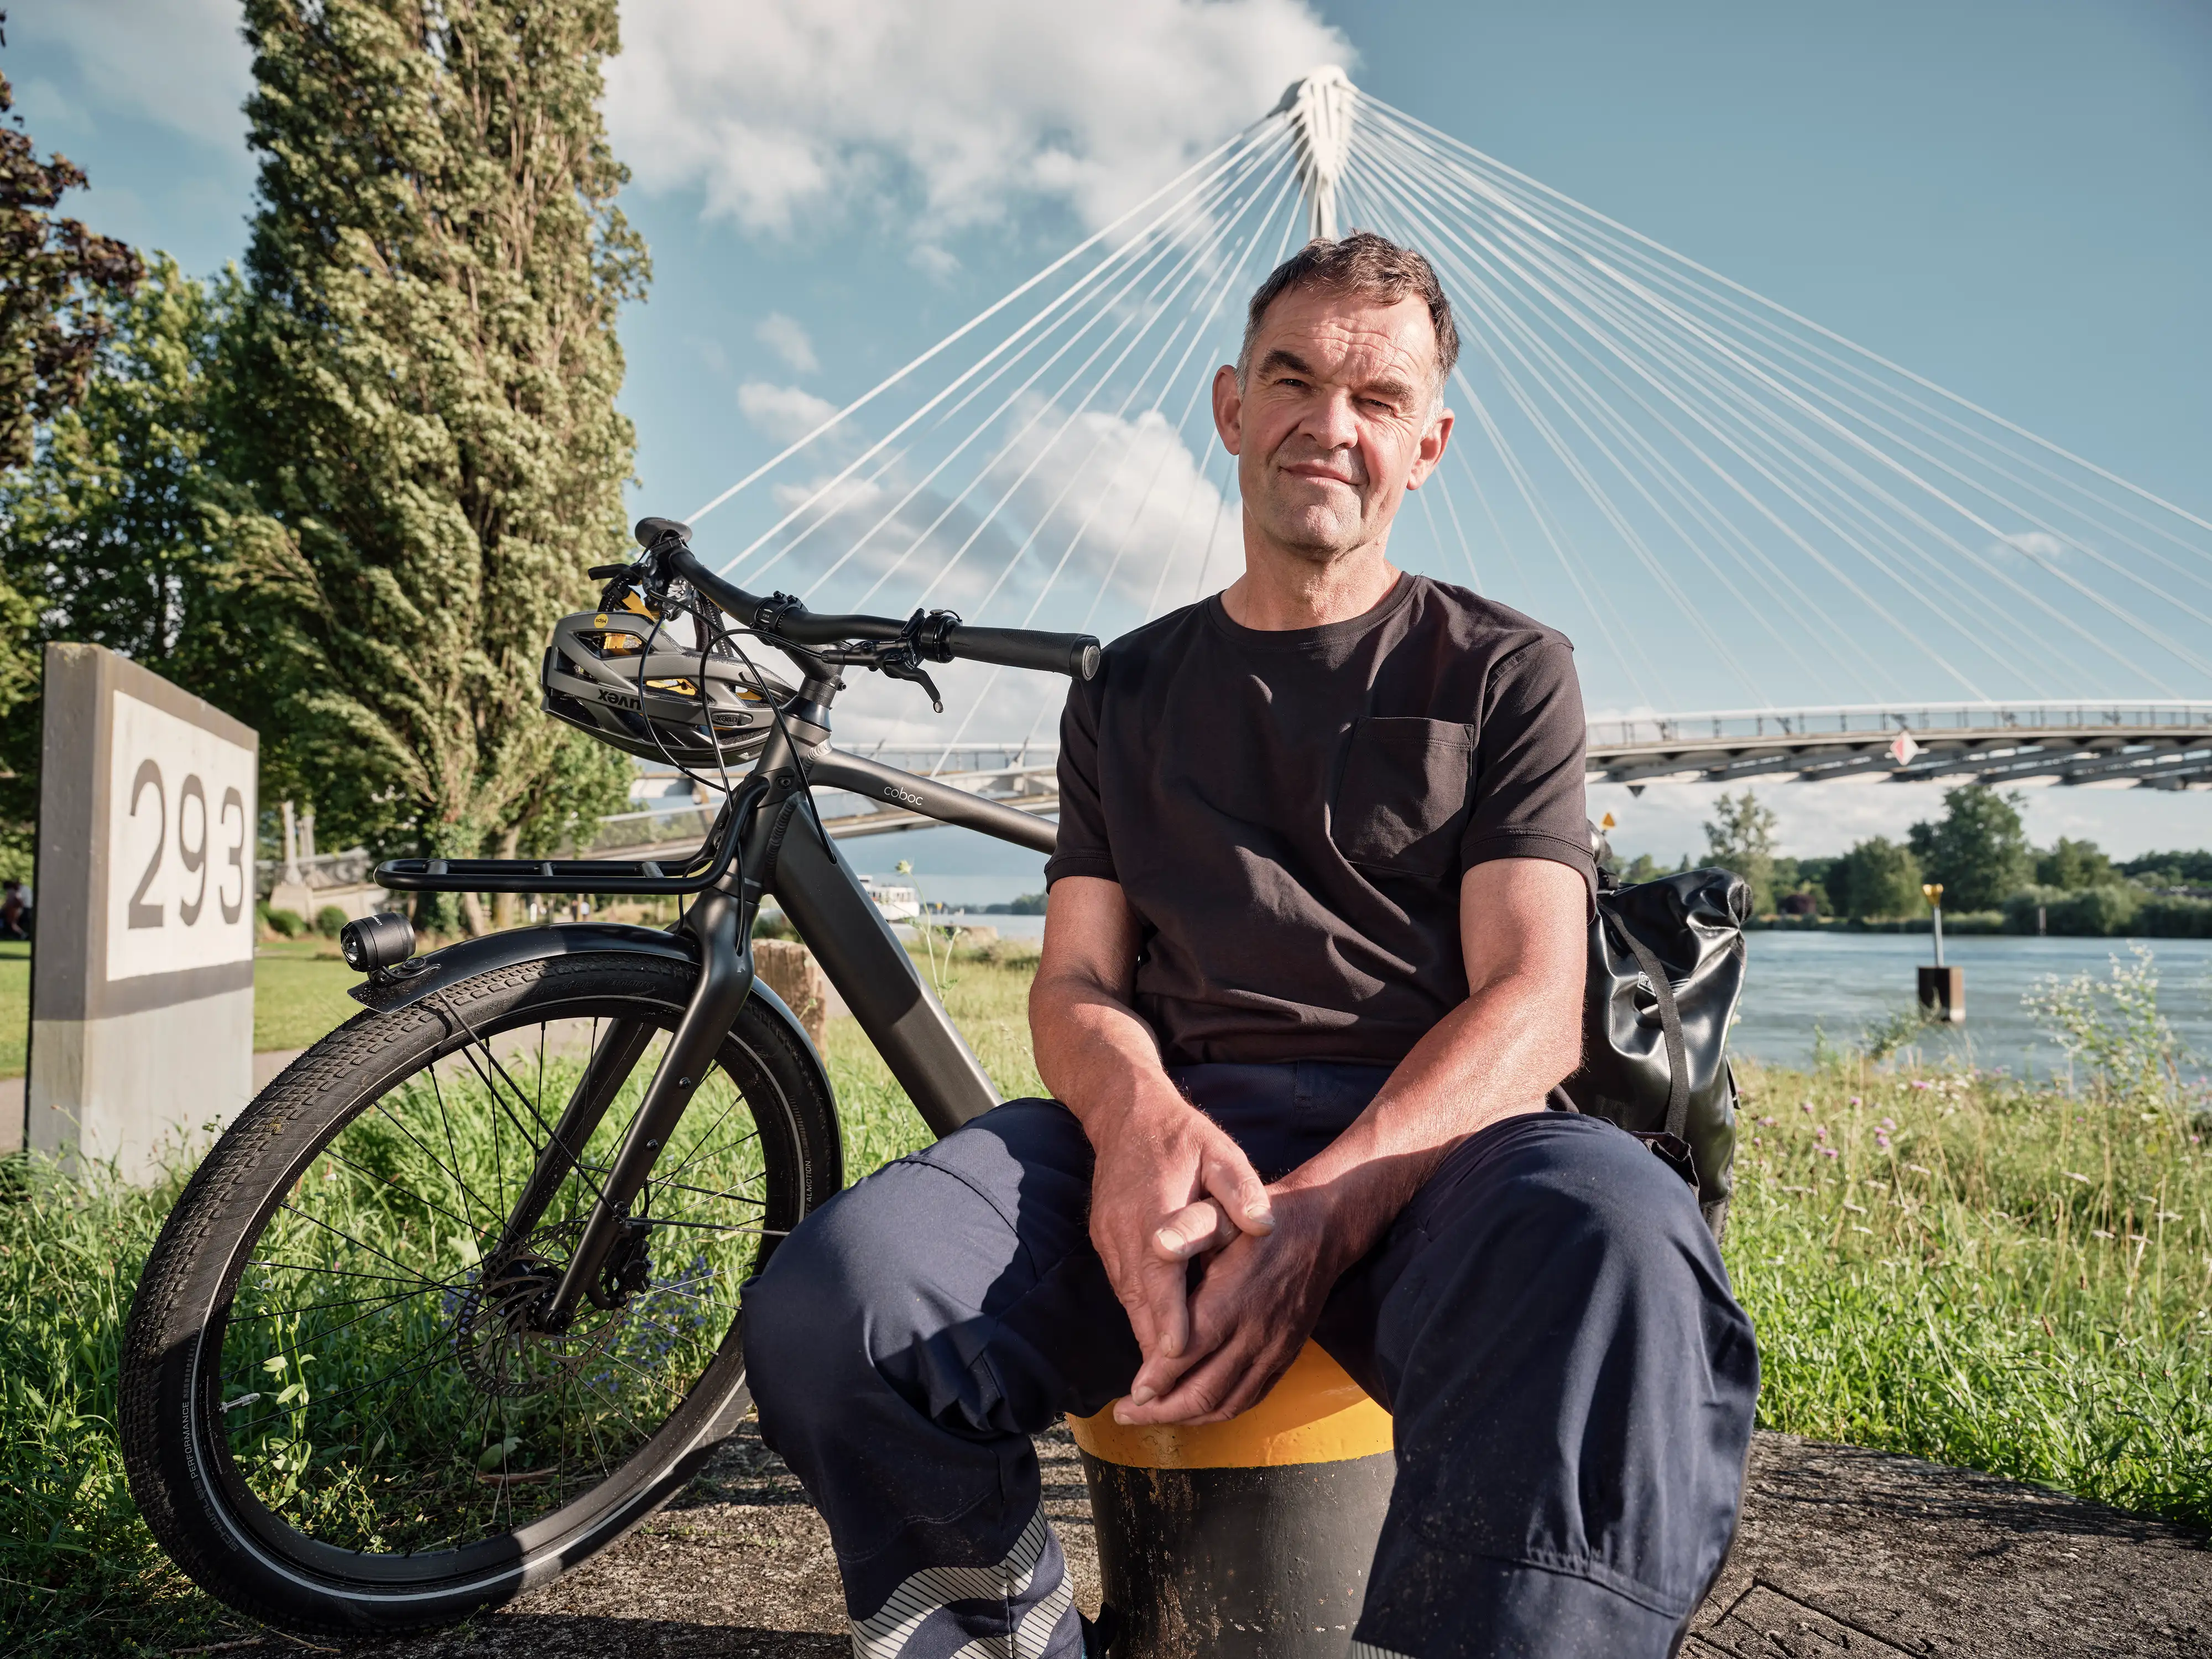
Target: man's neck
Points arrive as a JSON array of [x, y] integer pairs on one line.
[[1281, 591]]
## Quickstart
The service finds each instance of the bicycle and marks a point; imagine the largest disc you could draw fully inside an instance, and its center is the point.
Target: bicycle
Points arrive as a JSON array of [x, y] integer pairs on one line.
[[453, 1303]]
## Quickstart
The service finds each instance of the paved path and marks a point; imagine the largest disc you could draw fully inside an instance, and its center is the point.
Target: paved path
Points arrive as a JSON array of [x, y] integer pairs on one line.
[[1842, 1552]]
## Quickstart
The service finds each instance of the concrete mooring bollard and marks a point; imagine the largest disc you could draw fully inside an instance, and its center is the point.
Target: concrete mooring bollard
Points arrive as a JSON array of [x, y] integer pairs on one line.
[[1247, 1540], [1943, 994]]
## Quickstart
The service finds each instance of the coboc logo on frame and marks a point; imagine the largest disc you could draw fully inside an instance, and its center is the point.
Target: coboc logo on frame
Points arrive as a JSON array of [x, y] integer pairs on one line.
[[892, 791]]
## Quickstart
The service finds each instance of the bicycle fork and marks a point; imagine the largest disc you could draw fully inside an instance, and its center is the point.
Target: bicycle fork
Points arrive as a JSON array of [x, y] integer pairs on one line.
[[721, 923]]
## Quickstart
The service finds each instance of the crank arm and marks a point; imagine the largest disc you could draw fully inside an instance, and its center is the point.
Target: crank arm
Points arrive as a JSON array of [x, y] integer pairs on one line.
[[611, 1061], [725, 979]]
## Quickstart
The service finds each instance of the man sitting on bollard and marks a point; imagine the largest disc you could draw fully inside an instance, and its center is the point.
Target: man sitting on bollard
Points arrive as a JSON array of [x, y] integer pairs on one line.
[[1314, 958]]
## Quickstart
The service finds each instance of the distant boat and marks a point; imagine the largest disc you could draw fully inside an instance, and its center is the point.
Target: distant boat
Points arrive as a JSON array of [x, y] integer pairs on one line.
[[896, 900]]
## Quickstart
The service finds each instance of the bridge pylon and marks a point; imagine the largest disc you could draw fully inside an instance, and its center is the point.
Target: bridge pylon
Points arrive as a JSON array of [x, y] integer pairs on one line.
[[1320, 107]]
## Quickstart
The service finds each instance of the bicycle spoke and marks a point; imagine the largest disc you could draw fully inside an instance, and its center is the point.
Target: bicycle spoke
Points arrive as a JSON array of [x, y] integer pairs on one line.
[[715, 1227], [454, 1171], [323, 1307], [347, 1272], [458, 1221], [357, 1244]]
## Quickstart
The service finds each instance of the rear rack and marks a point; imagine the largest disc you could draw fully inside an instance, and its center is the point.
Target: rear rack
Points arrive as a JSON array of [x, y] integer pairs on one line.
[[693, 874]]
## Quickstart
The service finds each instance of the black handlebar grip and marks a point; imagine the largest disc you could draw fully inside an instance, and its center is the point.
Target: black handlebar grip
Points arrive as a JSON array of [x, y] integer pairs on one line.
[[650, 532], [1073, 654]]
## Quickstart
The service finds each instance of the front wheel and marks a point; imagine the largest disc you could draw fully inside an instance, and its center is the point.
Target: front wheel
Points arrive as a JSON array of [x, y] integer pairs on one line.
[[338, 1411]]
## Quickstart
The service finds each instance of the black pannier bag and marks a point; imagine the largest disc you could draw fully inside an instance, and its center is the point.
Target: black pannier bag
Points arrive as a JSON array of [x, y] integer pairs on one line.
[[1666, 972]]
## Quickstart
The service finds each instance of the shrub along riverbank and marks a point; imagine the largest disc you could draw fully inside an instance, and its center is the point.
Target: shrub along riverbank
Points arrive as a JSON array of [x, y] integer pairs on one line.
[[1941, 1263]]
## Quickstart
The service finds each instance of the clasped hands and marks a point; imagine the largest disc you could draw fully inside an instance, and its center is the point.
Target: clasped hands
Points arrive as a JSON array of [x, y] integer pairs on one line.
[[1171, 1187]]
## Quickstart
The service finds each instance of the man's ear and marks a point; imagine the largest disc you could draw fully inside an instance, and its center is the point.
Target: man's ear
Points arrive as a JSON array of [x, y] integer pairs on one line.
[[1228, 409], [1431, 454]]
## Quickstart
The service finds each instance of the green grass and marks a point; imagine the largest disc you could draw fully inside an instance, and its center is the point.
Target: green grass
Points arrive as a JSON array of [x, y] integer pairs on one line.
[[1951, 1265], [2014, 1282], [14, 1006], [299, 994]]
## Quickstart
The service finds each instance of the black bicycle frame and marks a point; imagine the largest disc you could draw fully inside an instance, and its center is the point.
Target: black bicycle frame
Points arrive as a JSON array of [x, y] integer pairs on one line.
[[767, 839]]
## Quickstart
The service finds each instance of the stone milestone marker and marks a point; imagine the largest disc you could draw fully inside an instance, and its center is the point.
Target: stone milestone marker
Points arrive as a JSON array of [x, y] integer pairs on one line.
[[141, 978]]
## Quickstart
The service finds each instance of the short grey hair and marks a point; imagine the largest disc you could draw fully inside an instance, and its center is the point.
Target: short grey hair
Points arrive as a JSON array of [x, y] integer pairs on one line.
[[1364, 265]]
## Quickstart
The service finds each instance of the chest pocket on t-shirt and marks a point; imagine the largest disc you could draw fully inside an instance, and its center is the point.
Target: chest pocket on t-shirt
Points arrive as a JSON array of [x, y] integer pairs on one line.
[[1402, 798]]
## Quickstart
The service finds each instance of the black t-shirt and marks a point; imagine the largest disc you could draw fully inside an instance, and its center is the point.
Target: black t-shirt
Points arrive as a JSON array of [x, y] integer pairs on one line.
[[1289, 813]]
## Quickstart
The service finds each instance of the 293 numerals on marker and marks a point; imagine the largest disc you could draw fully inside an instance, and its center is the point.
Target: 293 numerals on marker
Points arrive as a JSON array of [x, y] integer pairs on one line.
[[191, 852]]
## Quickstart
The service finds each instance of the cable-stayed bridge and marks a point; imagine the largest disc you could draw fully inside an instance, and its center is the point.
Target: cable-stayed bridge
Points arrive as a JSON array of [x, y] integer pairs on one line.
[[1726, 505], [2151, 746]]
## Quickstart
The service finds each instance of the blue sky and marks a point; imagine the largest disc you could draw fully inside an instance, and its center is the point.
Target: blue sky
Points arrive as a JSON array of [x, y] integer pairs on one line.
[[2014, 199]]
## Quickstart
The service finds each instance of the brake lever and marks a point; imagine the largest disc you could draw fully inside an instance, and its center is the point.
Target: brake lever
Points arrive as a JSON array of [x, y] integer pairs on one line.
[[923, 637], [898, 662]]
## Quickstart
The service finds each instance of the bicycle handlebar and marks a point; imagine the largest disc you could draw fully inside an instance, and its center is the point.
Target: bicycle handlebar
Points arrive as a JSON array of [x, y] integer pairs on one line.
[[1073, 654]]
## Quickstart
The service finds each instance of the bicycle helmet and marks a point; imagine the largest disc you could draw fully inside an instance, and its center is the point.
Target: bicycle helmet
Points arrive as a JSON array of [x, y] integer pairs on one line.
[[599, 677]]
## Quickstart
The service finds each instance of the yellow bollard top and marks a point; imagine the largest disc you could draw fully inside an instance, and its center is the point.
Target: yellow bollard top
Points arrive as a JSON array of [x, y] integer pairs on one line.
[[1315, 1414]]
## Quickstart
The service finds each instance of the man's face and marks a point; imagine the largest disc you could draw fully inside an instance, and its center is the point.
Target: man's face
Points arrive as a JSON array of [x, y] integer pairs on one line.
[[1337, 416]]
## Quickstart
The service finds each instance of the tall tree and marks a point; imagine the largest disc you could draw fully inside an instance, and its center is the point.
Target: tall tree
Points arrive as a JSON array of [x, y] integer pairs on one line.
[[105, 537], [56, 278], [1876, 878], [1977, 849], [2071, 863], [1740, 837], [53, 275], [427, 370]]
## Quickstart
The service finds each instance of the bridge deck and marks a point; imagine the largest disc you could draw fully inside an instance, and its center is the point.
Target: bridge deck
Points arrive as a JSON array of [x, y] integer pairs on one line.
[[2149, 745]]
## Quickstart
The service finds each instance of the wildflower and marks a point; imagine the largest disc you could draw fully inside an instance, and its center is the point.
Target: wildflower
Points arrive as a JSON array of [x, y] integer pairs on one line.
[[1827, 1152], [1806, 1107], [1855, 1100], [1887, 1126], [1819, 1132]]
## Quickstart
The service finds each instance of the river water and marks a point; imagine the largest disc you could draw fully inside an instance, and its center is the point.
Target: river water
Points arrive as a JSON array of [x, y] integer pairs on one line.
[[1844, 982]]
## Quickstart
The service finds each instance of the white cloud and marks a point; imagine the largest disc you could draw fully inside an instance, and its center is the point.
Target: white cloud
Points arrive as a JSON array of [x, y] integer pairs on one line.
[[782, 113], [933, 261], [181, 63], [787, 338], [2039, 545], [782, 412], [1118, 500]]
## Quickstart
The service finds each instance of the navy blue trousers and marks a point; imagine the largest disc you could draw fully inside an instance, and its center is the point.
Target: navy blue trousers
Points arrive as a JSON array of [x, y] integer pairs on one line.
[[1548, 1321]]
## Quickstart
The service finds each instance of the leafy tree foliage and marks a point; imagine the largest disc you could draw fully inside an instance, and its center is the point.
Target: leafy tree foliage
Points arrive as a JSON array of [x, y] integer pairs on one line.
[[1877, 878], [1804, 880], [1740, 837], [53, 275], [1977, 849], [106, 536], [426, 365], [2175, 869], [56, 281], [2073, 864]]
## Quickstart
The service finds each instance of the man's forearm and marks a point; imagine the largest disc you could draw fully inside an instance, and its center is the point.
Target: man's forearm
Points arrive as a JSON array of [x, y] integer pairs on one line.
[[1093, 1052], [1493, 1056]]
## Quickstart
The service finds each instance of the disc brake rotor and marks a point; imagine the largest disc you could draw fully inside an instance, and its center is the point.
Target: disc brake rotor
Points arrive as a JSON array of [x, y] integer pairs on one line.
[[501, 1348]]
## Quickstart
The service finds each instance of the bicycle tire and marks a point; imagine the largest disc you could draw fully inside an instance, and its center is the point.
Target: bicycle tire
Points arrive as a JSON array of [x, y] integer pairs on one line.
[[232, 1536]]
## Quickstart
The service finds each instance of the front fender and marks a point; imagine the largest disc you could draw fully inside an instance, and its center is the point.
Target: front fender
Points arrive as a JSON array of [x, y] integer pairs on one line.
[[389, 990]]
